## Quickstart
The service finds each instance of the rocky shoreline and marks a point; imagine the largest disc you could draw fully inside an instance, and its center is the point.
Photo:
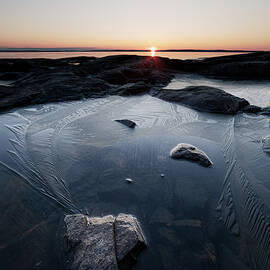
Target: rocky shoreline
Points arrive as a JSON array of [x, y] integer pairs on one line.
[[39, 81]]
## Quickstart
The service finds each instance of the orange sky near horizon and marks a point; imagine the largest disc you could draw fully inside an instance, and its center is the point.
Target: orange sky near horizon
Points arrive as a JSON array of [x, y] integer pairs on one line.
[[137, 24]]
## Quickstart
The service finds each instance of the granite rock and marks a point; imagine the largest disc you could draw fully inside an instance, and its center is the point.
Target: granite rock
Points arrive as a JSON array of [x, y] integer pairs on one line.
[[103, 242], [190, 152]]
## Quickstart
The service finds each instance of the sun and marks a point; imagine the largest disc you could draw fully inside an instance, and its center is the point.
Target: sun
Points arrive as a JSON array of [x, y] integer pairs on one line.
[[153, 51]]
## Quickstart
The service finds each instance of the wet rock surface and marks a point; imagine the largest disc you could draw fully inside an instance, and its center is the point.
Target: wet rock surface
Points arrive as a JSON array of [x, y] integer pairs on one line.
[[38, 81], [190, 152], [204, 98], [266, 111], [252, 109], [103, 242], [127, 123]]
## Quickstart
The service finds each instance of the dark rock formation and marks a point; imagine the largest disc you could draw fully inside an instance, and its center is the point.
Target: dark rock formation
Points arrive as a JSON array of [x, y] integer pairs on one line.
[[37, 81], [103, 242], [204, 98], [9, 76], [266, 111], [134, 89], [190, 152], [252, 109], [127, 123]]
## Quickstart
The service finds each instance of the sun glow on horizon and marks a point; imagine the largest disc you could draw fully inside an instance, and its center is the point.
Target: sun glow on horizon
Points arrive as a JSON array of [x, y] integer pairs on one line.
[[153, 51]]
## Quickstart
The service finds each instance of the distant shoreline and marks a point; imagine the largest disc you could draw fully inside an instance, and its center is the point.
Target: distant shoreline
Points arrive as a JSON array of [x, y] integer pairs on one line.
[[118, 50]]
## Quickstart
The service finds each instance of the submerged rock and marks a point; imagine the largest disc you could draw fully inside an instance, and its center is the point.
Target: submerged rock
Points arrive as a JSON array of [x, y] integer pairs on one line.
[[103, 242], [204, 98], [161, 215], [127, 123], [190, 152]]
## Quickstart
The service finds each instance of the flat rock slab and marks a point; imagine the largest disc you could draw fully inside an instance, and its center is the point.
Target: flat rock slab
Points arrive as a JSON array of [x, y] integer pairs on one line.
[[127, 123], [204, 98], [103, 242], [190, 152]]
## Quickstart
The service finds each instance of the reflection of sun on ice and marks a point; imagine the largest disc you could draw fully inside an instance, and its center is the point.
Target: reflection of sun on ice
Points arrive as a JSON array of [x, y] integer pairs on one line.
[[153, 51]]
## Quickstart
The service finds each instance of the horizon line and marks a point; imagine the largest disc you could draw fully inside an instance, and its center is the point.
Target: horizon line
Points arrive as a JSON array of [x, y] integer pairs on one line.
[[85, 49]]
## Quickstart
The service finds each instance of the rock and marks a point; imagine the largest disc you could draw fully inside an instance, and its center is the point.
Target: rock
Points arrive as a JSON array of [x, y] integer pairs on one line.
[[92, 242], [129, 240], [133, 73], [240, 70], [252, 109], [4, 91], [204, 98], [190, 152], [266, 111], [133, 89], [21, 65], [9, 76], [128, 180], [114, 76], [103, 242], [127, 123], [39, 81]]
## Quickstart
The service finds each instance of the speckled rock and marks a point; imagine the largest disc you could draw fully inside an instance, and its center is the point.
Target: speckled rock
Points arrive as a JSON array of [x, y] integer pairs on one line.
[[190, 152], [129, 240], [103, 242]]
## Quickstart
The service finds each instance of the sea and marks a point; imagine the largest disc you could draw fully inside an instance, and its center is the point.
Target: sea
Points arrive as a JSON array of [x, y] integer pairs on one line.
[[56, 55]]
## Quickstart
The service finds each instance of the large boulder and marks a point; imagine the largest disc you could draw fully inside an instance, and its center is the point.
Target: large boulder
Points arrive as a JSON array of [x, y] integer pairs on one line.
[[204, 98], [103, 242], [190, 152]]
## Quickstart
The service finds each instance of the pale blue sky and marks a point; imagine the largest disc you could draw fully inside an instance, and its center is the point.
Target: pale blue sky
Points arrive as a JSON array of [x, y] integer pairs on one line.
[[139, 24]]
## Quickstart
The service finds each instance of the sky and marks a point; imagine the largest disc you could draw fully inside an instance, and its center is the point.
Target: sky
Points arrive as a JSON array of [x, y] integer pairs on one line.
[[136, 24]]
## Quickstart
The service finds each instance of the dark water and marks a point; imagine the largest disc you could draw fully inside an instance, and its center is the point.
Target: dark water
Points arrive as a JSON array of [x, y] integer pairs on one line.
[[72, 157]]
